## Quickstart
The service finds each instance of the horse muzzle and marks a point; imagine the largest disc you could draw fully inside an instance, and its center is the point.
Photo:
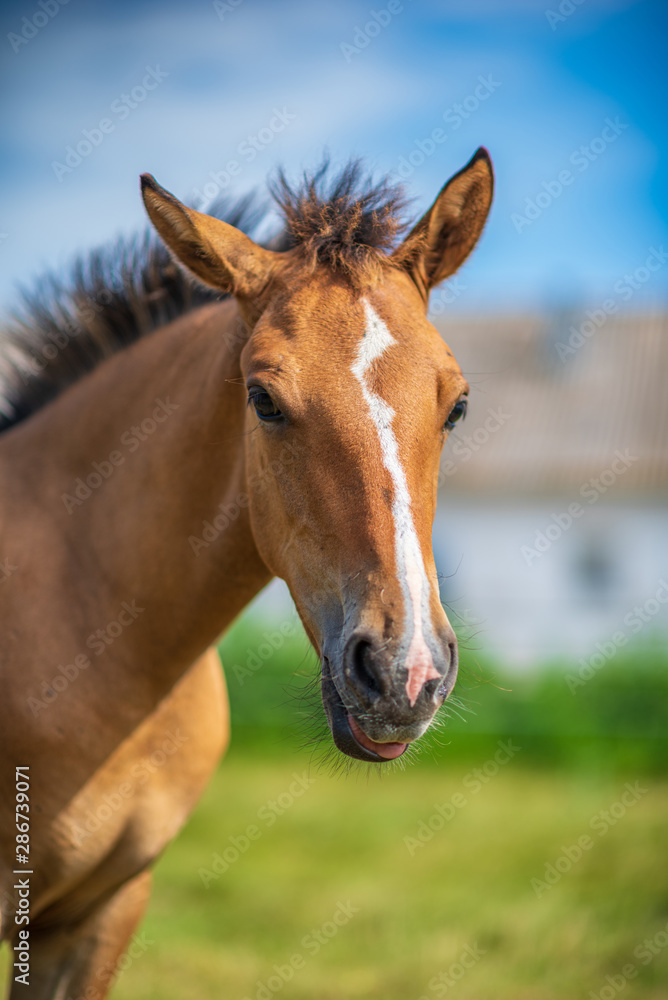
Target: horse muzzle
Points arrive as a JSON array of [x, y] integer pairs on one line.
[[365, 694]]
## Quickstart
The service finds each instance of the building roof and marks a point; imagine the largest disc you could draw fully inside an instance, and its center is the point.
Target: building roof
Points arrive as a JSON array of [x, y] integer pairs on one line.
[[555, 400]]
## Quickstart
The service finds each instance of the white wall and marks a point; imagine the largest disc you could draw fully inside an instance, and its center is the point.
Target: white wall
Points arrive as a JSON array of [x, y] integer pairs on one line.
[[529, 609]]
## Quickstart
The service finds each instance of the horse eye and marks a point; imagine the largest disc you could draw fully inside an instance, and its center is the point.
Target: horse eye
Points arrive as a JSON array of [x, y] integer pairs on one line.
[[264, 405], [457, 413]]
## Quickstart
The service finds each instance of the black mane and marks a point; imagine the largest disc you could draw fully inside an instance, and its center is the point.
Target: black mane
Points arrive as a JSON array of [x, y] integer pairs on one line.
[[113, 296]]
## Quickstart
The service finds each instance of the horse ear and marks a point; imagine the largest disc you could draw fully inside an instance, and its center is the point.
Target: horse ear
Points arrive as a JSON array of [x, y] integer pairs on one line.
[[217, 253], [444, 237]]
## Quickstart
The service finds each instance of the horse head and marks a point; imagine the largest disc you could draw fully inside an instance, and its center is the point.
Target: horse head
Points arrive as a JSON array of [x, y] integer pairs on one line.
[[341, 363]]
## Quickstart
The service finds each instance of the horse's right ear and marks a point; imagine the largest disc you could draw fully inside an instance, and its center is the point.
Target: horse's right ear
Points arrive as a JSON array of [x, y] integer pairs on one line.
[[445, 235], [217, 253]]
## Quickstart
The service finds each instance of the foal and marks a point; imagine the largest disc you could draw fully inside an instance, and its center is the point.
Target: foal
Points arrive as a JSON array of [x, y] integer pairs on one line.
[[301, 417]]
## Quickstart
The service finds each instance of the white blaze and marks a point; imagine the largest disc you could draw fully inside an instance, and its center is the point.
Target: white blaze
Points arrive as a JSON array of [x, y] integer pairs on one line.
[[410, 564]]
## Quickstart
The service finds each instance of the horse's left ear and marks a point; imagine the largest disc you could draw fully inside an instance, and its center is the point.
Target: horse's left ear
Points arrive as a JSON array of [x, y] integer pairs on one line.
[[217, 253], [444, 237]]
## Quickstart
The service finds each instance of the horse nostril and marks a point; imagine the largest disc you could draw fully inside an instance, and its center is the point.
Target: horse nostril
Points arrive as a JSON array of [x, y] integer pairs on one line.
[[361, 664], [363, 670], [431, 687], [454, 655], [447, 682]]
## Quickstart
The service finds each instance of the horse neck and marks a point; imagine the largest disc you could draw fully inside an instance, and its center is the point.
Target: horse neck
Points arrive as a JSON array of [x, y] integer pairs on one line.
[[130, 487]]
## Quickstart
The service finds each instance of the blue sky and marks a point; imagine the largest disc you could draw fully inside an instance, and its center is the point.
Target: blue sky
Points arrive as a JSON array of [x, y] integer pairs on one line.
[[261, 83]]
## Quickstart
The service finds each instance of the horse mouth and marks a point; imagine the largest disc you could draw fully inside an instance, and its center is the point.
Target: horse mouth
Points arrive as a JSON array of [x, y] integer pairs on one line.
[[388, 751], [347, 734]]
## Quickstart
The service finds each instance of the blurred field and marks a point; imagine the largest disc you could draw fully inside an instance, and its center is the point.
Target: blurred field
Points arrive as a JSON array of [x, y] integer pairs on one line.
[[342, 841], [415, 887]]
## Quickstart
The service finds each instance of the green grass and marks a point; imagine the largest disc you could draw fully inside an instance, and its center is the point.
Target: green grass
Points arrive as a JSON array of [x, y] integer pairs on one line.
[[469, 885]]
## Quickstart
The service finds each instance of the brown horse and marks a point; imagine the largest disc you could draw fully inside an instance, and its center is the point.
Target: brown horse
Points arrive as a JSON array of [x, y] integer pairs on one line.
[[168, 450]]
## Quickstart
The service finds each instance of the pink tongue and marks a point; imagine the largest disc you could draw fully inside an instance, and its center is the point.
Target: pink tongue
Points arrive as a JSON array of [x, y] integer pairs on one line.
[[387, 750]]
